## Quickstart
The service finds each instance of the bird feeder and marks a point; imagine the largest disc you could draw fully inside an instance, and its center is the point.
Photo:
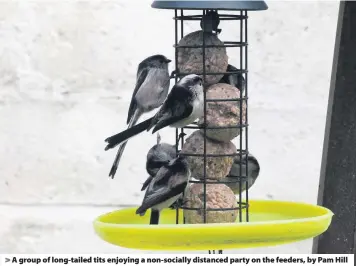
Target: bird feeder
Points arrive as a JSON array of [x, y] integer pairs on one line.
[[213, 217]]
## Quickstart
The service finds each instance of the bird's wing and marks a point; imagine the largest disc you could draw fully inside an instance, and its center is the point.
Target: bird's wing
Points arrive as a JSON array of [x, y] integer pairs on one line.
[[146, 183], [141, 77], [176, 107], [162, 177], [158, 196]]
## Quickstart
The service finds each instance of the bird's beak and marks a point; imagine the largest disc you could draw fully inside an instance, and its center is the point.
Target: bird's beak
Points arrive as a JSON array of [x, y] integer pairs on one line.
[[168, 60]]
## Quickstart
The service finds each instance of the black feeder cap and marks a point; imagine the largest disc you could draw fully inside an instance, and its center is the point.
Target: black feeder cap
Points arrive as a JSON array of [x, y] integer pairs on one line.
[[249, 5]]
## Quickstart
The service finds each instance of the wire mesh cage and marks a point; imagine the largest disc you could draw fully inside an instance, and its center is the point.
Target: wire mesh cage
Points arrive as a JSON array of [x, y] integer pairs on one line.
[[244, 223], [239, 79]]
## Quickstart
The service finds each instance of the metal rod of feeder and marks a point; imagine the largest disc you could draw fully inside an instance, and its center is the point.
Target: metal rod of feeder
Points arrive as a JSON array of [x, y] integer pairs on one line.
[[204, 7], [176, 80]]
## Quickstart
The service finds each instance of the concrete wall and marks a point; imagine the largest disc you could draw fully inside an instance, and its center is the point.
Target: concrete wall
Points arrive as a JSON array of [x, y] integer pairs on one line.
[[67, 70]]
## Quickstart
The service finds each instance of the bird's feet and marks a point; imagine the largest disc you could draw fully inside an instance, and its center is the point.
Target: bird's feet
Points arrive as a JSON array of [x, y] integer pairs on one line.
[[178, 204], [202, 125]]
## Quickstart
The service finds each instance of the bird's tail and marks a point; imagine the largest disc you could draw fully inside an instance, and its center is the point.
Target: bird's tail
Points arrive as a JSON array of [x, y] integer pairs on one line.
[[125, 135], [141, 211], [119, 153]]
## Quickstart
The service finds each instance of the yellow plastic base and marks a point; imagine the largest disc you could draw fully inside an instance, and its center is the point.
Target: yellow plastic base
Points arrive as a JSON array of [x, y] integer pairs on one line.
[[270, 223]]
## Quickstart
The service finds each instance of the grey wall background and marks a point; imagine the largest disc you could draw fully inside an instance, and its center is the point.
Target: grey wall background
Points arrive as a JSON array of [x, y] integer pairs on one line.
[[67, 70]]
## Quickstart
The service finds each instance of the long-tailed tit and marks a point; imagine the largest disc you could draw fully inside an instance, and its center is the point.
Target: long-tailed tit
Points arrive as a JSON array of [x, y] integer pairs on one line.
[[169, 184], [152, 84], [237, 80], [251, 170], [184, 104]]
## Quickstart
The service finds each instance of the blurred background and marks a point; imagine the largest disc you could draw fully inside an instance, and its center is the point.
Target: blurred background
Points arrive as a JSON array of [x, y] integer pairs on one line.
[[67, 71]]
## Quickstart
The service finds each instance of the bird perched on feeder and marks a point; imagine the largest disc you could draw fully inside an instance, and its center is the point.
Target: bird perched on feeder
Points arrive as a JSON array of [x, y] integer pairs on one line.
[[168, 185], [210, 22], [237, 80], [251, 170], [159, 155], [184, 104], [152, 84]]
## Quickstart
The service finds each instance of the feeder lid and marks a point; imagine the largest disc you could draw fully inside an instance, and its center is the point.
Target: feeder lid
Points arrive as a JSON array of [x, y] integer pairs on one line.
[[218, 5]]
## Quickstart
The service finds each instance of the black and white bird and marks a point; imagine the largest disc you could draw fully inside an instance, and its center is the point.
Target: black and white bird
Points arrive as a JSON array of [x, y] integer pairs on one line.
[[251, 170], [184, 105], [159, 155], [168, 185], [210, 22], [237, 80], [152, 85]]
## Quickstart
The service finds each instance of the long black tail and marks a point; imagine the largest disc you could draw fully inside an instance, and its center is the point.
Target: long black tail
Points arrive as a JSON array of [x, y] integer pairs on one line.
[[154, 217], [134, 118], [116, 162], [115, 140]]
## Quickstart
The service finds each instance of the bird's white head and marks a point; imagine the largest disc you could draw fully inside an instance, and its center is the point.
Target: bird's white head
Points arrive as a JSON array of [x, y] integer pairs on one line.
[[192, 81]]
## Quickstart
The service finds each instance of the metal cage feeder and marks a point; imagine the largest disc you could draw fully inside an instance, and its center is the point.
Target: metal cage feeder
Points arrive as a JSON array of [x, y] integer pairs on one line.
[[260, 222]]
